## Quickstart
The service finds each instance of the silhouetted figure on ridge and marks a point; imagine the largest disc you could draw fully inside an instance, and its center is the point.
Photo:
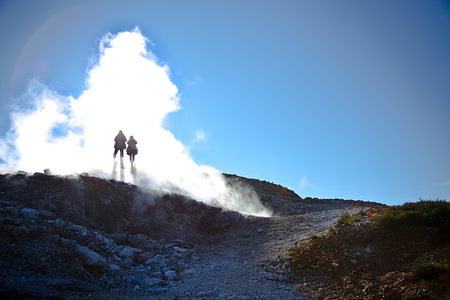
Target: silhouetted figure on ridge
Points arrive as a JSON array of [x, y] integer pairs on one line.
[[120, 140], [132, 149]]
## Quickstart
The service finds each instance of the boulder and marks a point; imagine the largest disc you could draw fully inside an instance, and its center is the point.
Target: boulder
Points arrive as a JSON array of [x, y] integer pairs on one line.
[[126, 252], [141, 241], [89, 257]]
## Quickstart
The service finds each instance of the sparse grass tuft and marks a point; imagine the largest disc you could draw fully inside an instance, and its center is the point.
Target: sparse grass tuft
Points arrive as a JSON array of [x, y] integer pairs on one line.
[[314, 237], [346, 218]]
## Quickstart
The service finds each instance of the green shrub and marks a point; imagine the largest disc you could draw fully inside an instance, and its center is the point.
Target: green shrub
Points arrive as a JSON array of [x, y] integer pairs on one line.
[[346, 218], [419, 214]]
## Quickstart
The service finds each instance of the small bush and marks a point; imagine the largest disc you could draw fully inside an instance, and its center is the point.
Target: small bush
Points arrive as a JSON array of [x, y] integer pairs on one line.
[[430, 271], [346, 218]]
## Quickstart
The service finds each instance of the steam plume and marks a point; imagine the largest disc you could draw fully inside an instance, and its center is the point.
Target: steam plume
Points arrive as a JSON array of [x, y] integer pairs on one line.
[[129, 90]]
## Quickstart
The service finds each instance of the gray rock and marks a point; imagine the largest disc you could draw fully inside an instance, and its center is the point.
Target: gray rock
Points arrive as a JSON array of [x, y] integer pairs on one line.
[[141, 241], [128, 261], [60, 282], [45, 214], [189, 272], [114, 267], [157, 259], [171, 275], [179, 249], [126, 252], [157, 274], [106, 241], [29, 212], [154, 282], [89, 257], [144, 256], [119, 238]]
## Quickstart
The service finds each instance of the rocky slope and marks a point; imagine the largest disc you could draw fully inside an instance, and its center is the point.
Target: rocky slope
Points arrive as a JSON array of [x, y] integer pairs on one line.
[[88, 237], [377, 254]]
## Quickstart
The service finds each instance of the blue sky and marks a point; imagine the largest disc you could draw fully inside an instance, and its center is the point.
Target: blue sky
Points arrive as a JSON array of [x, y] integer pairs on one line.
[[347, 99]]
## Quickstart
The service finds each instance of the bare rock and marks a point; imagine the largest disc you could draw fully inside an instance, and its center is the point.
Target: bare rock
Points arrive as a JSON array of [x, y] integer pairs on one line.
[[126, 252], [89, 257]]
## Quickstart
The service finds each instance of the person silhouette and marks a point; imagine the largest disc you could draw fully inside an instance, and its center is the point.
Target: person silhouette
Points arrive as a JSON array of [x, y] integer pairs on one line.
[[132, 149], [120, 141]]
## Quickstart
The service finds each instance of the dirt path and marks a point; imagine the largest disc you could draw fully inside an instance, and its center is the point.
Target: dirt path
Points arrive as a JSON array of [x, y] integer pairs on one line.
[[244, 263]]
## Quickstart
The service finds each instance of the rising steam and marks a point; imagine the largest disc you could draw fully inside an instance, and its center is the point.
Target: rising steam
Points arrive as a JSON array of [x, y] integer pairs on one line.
[[127, 89]]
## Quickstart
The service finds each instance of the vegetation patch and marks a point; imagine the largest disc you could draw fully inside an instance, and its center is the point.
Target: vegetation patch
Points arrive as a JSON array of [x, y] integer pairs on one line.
[[399, 252], [346, 219], [419, 214]]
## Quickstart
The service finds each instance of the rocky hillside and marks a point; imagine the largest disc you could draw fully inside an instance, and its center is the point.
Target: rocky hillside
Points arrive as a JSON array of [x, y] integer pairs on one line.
[[386, 253], [72, 237]]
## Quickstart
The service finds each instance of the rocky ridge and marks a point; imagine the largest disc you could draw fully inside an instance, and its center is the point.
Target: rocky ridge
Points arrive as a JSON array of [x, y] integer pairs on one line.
[[72, 237]]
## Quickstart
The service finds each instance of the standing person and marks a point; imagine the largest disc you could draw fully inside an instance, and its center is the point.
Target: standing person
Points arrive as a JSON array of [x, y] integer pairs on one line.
[[132, 149], [120, 140]]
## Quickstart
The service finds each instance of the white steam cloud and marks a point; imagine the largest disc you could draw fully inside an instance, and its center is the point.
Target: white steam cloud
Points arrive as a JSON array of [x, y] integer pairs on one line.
[[128, 90]]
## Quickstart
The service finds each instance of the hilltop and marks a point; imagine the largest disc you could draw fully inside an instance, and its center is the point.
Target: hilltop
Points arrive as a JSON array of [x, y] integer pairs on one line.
[[82, 236]]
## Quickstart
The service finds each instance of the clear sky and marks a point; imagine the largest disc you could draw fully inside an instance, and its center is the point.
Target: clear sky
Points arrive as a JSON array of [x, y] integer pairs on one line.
[[333, 99]]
